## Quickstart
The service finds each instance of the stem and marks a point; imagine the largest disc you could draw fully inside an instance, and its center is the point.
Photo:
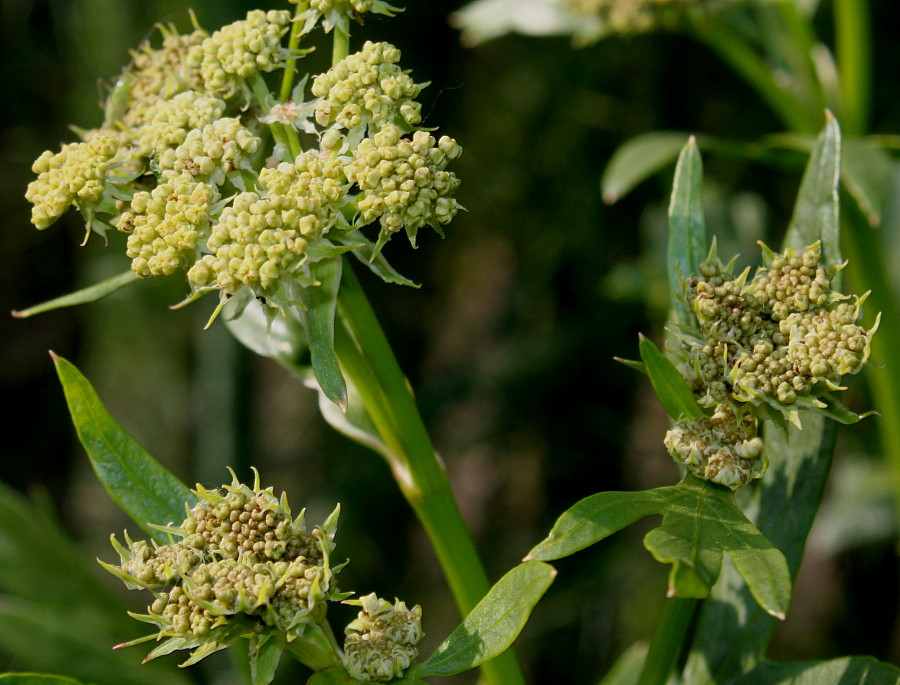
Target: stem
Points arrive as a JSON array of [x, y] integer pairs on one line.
[[734, 50], [668, 640], [798, 51], [315, 648], [261, 93], [854, 56], [290, 69], [367, 358], [341, 45]]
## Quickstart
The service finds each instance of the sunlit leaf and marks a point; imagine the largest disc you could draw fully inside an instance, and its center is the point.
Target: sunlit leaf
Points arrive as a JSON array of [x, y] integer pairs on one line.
[[671, 389], [144, 488], [700, 523], [494, 623], [83, 296]]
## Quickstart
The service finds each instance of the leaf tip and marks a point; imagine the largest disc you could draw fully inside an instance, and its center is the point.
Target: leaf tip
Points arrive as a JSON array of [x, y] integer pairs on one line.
[[17, 314], [692, 141], [610, 196], [780, 615], [528, 557]]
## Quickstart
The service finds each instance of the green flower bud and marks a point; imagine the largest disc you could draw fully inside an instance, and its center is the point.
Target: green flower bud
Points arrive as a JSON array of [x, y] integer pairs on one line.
[[380, 643]]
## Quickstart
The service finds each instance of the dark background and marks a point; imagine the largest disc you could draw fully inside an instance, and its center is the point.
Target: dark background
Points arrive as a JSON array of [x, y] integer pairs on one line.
[[509, 343]]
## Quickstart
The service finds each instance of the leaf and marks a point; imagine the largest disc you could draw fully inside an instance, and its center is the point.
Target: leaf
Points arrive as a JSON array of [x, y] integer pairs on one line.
[[320, 303], [627, 668], [816, 211], [282, 338], [732, 632], [632, 364], [670, 387], [146, 490], [377, 263], [855, 670], [494, 623], [867, 173], [83, 296], [700, 523], [74, 641], [36, 679], [637, 160], [687, 232], [484, 20], [265, 653]]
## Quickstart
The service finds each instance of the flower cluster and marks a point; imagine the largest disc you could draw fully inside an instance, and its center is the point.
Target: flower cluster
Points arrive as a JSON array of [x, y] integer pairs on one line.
[[723, 448], [781, 339], [337, 13], [166, 225], [240, 50], [241, 565], [76, 175], [776, 343], [403, 183], [367, 89], [210, 192], [381, 643]]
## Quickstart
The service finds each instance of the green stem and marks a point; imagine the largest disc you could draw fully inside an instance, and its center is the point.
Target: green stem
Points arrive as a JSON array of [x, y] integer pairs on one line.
[[798, 51], [290, 69], [315, 648], [854, 56], [668, 640], [341, 45], [261, 93], [367, 359], [736, 52]]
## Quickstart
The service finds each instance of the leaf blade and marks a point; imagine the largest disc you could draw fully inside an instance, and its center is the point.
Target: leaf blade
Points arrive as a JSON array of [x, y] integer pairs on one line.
[[494, 623], [669, 385], [140, 485], [90, 294]]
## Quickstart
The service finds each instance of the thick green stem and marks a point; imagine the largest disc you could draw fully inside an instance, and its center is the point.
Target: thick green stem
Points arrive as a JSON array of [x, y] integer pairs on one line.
[[341, 45], [261, 92], [854, 56], [290, 69], [668, 641], [733, 49], [367, 359]]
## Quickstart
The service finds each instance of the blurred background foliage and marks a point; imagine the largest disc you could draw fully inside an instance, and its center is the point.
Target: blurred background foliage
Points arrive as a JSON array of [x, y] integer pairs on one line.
[[509, 345]]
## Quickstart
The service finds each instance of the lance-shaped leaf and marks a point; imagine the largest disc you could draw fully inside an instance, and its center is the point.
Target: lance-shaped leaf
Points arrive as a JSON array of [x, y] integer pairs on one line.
[[83, 296], [147, 491], [265, 653], [320, 303], [494, 623], [700, 523], [638, 159], [674, 394], [816, 210], [687, 232], [855, 670]]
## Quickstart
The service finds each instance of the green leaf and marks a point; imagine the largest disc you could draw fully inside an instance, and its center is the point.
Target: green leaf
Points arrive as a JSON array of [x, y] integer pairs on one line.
[[700, 523], [145, 490], [494, 623], [638, 159], [36, 679], [687, 232], [377, 263], [855, 670], [670, 387], [282, 338], [265, 653], [320, 303], [816, 211], [732, 632], [89, 294], [867, 173], [75, 641], [632, 364], [627, 668]]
